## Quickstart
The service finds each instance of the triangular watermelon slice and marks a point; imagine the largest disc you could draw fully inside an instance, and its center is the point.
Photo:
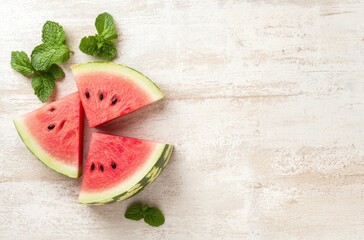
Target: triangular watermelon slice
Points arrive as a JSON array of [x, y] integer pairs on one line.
[[119, 167], [110, 90], [54, 134]]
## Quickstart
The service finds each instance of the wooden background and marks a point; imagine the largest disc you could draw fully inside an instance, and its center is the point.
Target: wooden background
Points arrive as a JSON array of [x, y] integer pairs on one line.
[[264, 103]]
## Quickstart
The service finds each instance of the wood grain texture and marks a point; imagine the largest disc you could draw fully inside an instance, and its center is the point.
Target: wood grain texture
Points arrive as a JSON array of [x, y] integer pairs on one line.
[[264, 103]]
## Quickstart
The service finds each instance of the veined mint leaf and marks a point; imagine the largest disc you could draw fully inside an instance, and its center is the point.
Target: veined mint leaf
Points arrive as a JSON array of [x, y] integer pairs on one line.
[[154, 217], [105, 26], [88, 45], [20, 62], [134, 212], [56, 72], [53, 33], [107, 51], [47, 54], [43, 86]]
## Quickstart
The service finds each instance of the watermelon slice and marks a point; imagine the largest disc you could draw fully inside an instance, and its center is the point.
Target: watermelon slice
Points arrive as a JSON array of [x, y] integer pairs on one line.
[[119, 167], [110, 90], [54, 134]]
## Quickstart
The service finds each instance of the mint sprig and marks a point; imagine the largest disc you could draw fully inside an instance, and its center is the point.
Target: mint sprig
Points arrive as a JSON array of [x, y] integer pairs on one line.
[[152, 215], [42, 66], [102, 43]]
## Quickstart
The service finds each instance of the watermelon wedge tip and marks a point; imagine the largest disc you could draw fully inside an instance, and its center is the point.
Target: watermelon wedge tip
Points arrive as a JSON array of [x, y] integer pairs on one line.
[[110, 90], [54, 134]]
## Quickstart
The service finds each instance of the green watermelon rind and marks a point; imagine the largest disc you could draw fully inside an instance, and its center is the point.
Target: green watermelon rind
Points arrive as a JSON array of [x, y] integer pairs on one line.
[[159, 161], [35, 148], [149, 87]]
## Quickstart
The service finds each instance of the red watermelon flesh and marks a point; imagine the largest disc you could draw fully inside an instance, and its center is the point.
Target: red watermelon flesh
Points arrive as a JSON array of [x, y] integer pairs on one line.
[[116, 164], [54, 134], [110, 90]]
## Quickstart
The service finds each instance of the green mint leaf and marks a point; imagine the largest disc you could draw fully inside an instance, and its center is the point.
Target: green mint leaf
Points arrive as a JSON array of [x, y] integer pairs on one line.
[[43, 86], [107, 51], [56, 72], [88, 45], [53, 33], [154, 217], [134, 212], [20, 62], [105, 26], [47, 54]]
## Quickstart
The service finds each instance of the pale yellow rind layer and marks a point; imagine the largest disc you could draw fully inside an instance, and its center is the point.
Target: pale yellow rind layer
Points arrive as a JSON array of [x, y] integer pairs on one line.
[[105, 196], [36, 149], [129, 73]]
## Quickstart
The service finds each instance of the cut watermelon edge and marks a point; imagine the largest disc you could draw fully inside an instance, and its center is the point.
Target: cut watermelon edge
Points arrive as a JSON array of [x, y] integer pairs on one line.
[[145, 176], [43, 156], [149, 87]]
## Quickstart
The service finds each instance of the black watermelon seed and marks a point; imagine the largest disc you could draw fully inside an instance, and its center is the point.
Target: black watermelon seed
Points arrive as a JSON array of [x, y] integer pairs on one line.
[[101, 168], [113, 165], [92, 167], [52, 109], [50, 126], [101, 96], [114, 100], [87, 94]]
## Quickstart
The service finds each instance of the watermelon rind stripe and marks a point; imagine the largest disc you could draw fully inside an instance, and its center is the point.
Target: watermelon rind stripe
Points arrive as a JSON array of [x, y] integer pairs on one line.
[[160, 161], [35, 148], [151, 176], [149, 87]]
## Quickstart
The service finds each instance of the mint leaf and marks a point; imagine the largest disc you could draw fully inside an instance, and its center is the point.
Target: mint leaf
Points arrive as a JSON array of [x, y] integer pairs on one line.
[[88, 45], [20, 62], [47, 54], [134, 212], [105, 26], [56, 72], [154, 217], [43, 86], [107, 51], [53, 33]]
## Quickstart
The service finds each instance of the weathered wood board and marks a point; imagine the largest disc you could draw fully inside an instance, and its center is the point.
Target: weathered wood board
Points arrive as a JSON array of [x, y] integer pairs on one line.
[[264, 103]]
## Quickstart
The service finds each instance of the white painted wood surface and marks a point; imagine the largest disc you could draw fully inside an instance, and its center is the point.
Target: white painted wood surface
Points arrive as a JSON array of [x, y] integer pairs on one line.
[[264, 103]]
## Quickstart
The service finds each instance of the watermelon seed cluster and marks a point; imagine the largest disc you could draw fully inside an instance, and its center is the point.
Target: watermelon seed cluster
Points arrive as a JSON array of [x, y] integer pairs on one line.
[[113, 166]]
